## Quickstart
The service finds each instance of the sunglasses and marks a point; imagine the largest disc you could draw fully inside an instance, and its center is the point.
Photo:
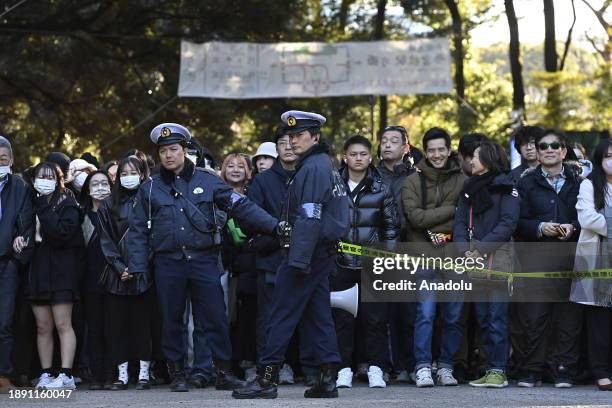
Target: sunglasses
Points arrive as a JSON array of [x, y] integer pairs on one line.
[[553, 145]]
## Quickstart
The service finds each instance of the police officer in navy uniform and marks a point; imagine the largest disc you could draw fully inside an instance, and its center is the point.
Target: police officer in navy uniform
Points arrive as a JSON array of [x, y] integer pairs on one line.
[[316, 209], [174, 225]]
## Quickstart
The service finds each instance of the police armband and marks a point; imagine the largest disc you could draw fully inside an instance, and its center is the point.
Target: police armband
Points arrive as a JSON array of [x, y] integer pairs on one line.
[[311, 210]]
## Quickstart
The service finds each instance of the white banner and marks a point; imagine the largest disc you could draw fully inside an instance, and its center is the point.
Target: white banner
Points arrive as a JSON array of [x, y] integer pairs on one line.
[[306, 70]]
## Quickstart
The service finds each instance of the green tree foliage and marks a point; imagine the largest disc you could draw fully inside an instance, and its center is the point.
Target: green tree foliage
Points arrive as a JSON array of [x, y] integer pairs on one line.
[[97, 75]]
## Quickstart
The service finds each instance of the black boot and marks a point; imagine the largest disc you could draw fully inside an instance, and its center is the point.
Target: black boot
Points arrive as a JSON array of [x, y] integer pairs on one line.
[[179, 380], [263, 387], [226, 379], [325, 386]]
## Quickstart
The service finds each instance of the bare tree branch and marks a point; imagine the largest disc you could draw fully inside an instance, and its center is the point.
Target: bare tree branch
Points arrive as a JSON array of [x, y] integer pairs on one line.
[[568, 41]]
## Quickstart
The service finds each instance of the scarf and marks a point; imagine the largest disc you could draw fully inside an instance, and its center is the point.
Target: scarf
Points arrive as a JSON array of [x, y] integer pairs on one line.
[[477, 193]]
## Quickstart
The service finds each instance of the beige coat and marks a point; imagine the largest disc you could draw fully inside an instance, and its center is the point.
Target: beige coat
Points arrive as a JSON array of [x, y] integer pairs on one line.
[[593, 227]]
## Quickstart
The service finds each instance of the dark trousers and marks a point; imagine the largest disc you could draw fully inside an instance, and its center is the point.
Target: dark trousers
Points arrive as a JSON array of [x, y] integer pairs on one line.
[[9, 284], [401, 329], [305, 298], [128, 327], [297, 352], [372, 317], [244, 331], [198, 278], [95, 305], [599, 340], [195, 338], [25, 353], [546, 332]]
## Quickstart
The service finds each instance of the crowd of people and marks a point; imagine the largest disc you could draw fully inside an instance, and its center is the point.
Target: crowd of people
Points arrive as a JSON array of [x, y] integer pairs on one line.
[[193, 272]]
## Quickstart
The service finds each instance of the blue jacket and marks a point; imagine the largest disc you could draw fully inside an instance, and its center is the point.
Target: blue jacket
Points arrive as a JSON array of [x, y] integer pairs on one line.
[[495, 225], [317, 207], [268, 190], [181, 212]]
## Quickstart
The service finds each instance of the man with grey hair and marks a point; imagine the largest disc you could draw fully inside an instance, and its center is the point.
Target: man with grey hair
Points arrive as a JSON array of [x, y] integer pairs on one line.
[[16, 233]]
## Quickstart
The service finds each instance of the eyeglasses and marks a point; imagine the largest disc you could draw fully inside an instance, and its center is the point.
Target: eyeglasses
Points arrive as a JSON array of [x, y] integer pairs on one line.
[[553, 145]]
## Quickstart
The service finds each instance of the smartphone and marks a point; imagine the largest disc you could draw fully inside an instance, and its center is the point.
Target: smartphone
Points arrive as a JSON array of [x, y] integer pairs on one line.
[[562, 231]]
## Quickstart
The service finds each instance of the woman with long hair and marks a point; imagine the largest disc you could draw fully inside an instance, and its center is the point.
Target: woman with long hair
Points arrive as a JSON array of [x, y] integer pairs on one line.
[[53, 286], [594, 251], [96, 189], [130, 298]]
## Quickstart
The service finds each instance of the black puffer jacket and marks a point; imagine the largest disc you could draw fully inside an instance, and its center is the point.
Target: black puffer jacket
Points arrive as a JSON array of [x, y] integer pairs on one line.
[[373, 216]]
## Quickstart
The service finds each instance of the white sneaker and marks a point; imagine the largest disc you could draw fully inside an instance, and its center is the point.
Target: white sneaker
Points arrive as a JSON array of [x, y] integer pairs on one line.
[[375, 377], [444, 376], [345, 378], [44, 380], [250, 374], [423, 378], [62, 382], [285, 375]]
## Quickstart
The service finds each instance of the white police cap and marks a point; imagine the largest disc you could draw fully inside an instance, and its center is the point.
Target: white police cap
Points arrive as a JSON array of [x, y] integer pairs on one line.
[[170, 133], [296, 121]]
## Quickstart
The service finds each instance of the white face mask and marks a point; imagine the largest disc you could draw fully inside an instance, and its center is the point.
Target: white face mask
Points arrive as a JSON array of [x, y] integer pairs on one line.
[[79, 180], [193, 158], [4, 170], [100, 192], [130, 182], [607, 166], [44, 186]]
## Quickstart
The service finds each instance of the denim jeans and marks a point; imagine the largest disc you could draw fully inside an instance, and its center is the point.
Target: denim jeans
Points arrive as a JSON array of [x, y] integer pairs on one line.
[[9, 283], [492, 320], [452, 330]]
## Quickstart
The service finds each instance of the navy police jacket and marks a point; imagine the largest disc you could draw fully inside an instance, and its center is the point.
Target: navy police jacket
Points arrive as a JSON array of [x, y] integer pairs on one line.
[[268, 191], [174, 215], [316, 206]]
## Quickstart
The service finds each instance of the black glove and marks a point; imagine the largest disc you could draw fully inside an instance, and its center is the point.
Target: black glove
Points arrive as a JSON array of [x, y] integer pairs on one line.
[[264, 244]]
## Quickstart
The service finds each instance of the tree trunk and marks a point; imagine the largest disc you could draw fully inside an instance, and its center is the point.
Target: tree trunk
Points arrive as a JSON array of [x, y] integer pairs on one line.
[[553, 100], [379, 34], [518, 95], [463, 120]]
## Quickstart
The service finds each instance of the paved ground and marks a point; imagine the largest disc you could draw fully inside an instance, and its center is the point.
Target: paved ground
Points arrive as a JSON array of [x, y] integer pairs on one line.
[[360, 396]]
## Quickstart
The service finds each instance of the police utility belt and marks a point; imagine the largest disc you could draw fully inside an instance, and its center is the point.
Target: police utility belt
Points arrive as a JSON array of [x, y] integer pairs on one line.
[[216, 232]]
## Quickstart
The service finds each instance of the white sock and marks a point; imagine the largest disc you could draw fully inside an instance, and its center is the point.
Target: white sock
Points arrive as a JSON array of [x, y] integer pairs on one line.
[[123, 372], [144, 370]]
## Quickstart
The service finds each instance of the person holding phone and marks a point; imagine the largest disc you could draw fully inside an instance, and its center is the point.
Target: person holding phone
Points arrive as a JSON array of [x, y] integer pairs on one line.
[[549, 193]]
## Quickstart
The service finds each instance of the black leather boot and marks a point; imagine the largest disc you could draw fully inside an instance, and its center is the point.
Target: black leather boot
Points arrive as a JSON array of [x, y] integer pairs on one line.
[[177, 373], [226, 379], [325, 386], [263, 387]]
